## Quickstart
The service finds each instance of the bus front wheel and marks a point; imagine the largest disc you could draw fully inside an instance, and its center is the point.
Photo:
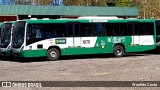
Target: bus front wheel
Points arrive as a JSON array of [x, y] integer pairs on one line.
[[118, 51], [53, 54]]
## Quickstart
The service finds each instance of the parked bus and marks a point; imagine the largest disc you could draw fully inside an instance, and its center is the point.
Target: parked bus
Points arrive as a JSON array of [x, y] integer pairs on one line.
[[59, 37], [1, 24], [6, 38]]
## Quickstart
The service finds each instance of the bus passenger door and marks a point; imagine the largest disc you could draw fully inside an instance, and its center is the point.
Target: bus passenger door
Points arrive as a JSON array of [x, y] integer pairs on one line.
[[147, 38], [69, 39], [73, 39], [133, 29], [77, 39]]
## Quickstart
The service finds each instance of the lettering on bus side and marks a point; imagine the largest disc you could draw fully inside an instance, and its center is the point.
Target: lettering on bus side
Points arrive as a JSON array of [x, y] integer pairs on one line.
[[60, 41], [86, 41], [117, 39]]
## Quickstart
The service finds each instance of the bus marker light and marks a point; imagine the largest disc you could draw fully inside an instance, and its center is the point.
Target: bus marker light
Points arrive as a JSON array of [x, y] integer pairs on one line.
[[30, 47]]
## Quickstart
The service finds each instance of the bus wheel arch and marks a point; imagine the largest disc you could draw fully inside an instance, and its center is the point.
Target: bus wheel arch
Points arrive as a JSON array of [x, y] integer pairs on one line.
[[53, 53], [119, 50]]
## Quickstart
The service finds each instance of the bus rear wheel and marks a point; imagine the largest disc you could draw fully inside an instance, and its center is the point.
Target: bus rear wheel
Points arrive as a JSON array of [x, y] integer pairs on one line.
[[53, 54], [118, 51]]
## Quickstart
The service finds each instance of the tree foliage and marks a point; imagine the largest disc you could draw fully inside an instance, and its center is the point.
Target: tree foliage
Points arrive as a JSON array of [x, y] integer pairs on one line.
[[36, 2], [119, 3], [43, 2], [148, 8], [85, 2]]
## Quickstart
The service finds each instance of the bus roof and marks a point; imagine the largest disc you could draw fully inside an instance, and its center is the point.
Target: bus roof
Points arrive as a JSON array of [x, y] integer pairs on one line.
[[97, 17], [132, 20], [84, 20], [54, 21], [13, 22]]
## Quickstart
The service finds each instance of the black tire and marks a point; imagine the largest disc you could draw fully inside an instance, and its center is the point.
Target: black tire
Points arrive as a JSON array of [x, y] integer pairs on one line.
[[118, 51], [53, 54]]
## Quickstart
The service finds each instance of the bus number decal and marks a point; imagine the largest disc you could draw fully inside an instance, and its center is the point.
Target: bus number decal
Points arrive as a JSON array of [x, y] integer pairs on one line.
[[86, 41]]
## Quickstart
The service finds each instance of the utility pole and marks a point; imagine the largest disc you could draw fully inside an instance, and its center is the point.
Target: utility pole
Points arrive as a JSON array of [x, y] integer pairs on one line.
[[145, 7]]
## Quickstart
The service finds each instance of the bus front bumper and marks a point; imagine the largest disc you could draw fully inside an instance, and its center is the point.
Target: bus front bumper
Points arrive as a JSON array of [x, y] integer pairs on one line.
[[29, 53], [5, 52], [16, 52]]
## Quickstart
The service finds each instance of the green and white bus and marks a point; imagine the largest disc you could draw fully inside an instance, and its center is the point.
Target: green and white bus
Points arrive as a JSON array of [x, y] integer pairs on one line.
[[58, 37], [1, 24], [6, 38]]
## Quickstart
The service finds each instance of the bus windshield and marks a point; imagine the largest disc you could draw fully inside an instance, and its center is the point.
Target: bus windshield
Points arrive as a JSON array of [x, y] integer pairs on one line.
[[5, 35], [18, 34]]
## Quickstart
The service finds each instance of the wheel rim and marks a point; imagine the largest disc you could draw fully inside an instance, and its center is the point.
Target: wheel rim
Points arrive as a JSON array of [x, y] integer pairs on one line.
[[53, 54], [119, 52]]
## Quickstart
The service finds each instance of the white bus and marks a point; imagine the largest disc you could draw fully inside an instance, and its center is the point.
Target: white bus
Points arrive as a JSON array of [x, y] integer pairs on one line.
[[58, 37], [6, 38]]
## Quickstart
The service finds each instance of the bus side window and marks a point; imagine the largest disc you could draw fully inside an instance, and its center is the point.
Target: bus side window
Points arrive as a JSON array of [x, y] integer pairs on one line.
[[84, 29], [129, 29], [109, 29], [61, 30], [157, 28], [32, 32], [77, 29], [69, 30], [82, 32], [50, 34], [88, 29], [136, 28], [99, 29], [146, 28], [115, 29], [38, 33], [122, 29], [28, 33], [92, 29], [88, 32], [48, 31]]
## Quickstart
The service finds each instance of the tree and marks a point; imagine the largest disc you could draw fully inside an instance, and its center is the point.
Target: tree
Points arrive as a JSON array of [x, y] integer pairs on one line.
[[119, 3], [123, 3], [85, 2], [43, 2], [148, 8]]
